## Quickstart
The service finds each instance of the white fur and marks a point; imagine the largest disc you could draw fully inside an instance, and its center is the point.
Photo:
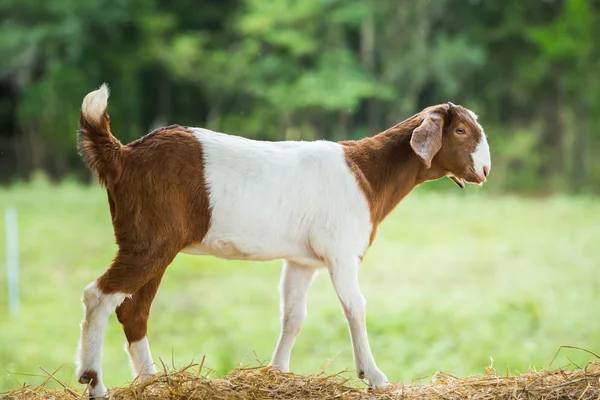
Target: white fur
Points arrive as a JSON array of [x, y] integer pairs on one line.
[[142, 365], [296, 201], [274, 200], [98, 307], [95, 103], [481, 156], [344, 276]]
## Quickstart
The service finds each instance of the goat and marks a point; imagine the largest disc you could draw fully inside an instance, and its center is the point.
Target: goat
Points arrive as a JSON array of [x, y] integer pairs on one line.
[[313, 204]]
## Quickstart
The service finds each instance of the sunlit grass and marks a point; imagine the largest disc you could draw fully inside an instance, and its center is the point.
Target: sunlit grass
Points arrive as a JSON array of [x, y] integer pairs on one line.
[[453, 279]]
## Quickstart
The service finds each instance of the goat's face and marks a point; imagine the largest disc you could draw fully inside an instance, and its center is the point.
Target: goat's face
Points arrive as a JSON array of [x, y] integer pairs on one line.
[[450, 141]]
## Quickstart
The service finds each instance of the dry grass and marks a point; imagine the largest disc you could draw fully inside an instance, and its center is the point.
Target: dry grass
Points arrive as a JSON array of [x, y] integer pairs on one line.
[[263, 383]]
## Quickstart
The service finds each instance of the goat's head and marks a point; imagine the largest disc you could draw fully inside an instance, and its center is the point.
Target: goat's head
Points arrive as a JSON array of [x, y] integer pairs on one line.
[[450, 141]]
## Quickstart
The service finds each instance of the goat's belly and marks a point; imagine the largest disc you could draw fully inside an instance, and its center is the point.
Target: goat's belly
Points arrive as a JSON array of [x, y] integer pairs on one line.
[[229, 250], [226, 250]]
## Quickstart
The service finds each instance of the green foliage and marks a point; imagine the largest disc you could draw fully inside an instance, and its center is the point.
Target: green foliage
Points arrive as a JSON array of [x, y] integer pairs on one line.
[[571, 37], [284, 69]]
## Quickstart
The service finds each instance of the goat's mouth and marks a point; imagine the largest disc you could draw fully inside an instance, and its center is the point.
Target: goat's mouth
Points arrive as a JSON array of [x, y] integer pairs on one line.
[[471, 177], [474, 177], [459, 181]]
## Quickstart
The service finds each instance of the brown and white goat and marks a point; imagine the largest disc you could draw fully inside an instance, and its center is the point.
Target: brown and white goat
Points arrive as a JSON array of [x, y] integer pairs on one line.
[[313, 204]]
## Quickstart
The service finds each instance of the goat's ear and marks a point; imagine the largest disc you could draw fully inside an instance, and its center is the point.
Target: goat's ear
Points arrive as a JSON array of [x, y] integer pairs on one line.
[[426, 139]]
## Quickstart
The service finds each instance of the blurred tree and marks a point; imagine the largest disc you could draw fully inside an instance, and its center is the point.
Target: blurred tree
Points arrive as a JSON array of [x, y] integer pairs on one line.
[[306, 69], [571, 56]]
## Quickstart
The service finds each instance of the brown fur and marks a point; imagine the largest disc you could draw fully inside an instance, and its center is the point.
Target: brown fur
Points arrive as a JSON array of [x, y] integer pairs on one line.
[[388, 168], [154, 185], [134, 312], [100, 150]]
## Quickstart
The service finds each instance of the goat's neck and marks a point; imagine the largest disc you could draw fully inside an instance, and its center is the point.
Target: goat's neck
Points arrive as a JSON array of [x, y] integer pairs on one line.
[[387, 168]]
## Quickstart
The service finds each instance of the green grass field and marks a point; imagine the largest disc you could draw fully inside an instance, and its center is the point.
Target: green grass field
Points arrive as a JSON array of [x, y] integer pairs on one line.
[[452, 279]]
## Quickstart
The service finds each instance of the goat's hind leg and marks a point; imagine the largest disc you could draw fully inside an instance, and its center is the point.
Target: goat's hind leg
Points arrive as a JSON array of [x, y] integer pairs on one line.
[[98, 306], [133, 314], [127, 274]]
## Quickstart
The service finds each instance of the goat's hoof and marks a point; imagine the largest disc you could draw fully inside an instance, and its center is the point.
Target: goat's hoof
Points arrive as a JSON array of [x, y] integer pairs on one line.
[[277, 367], [379, 385], [97, 393], [88, 376], [97, 397], [378, 380]]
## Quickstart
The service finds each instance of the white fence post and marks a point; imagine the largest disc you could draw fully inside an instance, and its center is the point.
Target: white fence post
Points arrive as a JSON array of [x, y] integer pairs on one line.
[[12, 260]]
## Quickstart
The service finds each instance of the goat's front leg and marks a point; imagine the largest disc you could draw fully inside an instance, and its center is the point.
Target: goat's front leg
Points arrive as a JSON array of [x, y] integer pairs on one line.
[[344, 277], [295, 281]]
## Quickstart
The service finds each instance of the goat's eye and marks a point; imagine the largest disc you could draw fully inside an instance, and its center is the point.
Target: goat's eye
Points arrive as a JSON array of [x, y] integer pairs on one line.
[[460, 131]]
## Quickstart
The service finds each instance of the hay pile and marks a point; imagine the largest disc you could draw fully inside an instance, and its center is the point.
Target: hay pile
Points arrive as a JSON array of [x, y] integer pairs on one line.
[[263, 383]]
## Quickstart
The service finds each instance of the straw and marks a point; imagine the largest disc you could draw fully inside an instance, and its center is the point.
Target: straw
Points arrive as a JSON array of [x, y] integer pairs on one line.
[[264, 383]]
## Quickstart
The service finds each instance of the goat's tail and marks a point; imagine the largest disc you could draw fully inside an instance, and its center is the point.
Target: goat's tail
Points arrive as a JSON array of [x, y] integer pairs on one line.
[[100, 150]]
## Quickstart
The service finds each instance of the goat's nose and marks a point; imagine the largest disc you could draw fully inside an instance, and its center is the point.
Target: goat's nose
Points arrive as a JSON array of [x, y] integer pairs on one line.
[[486, 170]]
